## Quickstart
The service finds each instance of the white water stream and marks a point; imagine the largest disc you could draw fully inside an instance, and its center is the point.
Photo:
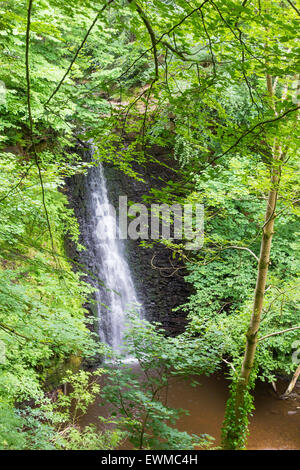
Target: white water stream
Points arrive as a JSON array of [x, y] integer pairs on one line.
[[118, 295]]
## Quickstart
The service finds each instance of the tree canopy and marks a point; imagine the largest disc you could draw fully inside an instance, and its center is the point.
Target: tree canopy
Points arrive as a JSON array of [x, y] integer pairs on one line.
[[214, 83]]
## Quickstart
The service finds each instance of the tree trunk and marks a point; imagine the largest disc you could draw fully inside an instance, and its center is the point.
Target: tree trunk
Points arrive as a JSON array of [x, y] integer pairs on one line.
[[232, 429], [251, 342]]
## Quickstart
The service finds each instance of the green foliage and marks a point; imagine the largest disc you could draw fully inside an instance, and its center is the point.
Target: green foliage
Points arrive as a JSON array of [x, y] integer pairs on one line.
[[235, 426], [138, 397], [44, 297], [10, 427], [192, 81], [55, 423], [223, 274], [42, 319]]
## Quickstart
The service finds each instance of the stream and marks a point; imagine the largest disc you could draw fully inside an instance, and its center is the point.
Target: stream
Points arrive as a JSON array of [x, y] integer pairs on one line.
[[275, 424]]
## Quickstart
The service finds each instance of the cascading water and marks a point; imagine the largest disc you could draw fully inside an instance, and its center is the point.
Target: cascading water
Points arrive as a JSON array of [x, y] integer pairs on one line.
[[117, 295]]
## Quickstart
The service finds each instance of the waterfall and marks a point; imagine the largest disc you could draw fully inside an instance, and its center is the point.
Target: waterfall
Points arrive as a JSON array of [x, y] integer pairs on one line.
[[117, 294]]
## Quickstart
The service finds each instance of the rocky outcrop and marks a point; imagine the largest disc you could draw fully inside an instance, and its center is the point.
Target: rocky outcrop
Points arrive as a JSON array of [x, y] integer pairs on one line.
[[159, 287]]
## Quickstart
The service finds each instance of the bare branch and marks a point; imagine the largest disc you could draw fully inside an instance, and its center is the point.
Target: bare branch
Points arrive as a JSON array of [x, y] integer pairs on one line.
[[293, 6], [242, 248], [278, 333], [10, 330], [17, 184], [78, 50], [152, 37], [249, 131], [230, 364], [31, 120]]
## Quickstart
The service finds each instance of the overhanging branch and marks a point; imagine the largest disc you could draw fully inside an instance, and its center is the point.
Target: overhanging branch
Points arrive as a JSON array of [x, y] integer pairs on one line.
[[278, 333]]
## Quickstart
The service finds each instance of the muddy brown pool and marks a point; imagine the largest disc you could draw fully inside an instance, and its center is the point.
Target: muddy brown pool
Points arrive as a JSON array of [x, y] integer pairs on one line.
[[275, 423]]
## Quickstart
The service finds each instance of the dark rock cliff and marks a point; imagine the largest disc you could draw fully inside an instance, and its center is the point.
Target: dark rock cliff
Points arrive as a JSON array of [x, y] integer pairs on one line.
[[160, 290]]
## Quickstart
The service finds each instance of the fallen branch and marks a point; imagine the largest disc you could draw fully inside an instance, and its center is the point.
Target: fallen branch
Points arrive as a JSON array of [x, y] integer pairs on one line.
[[292, 383]]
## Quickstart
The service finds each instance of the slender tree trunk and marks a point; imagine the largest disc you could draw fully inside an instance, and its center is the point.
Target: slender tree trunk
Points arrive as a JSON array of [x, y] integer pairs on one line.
[[251, 336], [232, 428]]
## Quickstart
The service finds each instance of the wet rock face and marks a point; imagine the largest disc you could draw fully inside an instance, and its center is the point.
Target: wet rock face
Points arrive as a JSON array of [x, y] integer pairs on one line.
[[159, 286]]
